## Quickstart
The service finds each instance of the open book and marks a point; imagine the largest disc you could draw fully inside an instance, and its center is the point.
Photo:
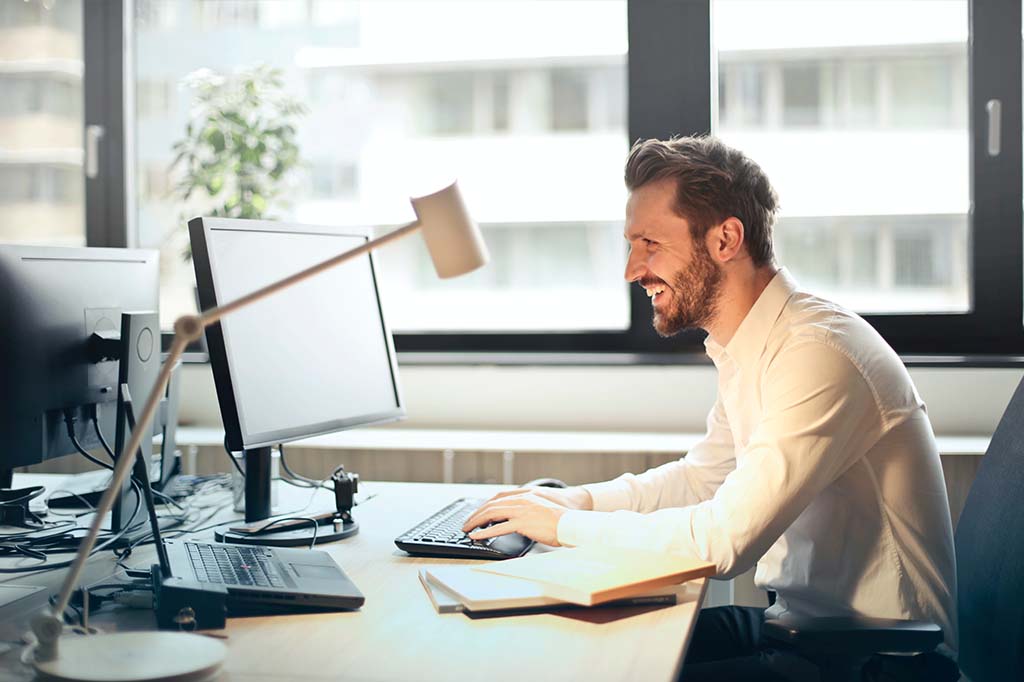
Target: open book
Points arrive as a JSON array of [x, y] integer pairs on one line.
[[594, 575]]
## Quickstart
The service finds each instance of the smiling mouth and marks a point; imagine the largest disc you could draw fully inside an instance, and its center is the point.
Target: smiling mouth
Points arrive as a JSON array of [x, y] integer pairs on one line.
[[653, 292]]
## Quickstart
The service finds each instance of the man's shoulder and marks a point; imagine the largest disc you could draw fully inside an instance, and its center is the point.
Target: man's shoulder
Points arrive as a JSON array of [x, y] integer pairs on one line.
[[810, 325], [807, 318]]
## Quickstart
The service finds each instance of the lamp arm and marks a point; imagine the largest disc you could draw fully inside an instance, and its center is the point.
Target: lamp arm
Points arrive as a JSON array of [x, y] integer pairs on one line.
[[188, 328], [46, 631], [214, 314]]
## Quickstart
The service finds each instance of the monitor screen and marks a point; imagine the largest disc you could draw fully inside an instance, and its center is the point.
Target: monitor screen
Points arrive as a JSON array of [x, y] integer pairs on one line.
[[315, 358]]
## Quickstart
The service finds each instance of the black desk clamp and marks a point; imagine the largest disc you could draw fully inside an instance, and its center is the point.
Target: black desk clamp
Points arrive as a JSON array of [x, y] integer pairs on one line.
[[346, 485]]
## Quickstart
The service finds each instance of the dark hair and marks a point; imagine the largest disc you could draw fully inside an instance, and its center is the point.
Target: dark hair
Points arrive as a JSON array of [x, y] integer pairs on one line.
[[713, 182]]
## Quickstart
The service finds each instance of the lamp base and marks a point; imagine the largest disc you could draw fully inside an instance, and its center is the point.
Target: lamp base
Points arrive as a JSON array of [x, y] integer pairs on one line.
[[134, 657]]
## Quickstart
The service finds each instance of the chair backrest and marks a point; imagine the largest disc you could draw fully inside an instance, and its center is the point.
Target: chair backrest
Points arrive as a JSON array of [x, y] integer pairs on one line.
[[990, 557]]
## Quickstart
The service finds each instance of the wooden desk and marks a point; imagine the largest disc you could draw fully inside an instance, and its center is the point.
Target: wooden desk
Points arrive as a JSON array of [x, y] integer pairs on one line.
[[397, 635]]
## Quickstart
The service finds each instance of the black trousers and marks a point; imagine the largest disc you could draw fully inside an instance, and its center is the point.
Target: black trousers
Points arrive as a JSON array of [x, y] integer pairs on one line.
[[726, 645]]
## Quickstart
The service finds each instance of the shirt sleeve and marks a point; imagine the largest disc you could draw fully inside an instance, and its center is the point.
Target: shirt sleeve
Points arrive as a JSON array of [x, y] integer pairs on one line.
[[689, 480], [819, 416]]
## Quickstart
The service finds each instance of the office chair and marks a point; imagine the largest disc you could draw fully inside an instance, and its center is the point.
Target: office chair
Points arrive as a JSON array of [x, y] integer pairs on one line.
[[989, 544]]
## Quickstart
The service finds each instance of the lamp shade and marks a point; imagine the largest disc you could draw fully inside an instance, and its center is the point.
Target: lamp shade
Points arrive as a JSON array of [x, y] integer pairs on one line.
[[453, 238]]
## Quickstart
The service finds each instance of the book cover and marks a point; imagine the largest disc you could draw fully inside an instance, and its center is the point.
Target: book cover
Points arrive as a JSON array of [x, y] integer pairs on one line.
[[593, 575], [443, 601], [480, 592]]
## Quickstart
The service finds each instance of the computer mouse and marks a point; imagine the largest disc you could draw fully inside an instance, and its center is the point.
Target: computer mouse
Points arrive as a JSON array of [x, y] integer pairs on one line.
[[546, 483]]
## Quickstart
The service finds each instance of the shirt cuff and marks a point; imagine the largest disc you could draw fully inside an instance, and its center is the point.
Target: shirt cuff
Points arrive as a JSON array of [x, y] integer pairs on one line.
[[611, 495], [577, 527]]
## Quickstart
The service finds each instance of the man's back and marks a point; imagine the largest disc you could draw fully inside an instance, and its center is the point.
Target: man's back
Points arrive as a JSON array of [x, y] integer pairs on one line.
[[877, 540]]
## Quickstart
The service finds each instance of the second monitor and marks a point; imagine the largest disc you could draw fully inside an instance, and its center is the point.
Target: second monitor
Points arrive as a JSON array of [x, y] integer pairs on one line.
[[313, 359]]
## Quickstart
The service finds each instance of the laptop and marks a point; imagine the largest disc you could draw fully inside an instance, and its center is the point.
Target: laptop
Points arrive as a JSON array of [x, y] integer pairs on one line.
[[257, 579], [263, 579]]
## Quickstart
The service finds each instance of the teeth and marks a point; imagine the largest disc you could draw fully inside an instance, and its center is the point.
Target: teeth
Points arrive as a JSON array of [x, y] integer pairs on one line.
[[651, 293]]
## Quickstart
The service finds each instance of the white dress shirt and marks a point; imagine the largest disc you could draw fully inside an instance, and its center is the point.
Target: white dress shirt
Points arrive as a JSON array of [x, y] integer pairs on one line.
[[819, 465]]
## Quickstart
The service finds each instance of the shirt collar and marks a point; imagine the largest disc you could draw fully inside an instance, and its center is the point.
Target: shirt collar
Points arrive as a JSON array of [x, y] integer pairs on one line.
[[750, 338]]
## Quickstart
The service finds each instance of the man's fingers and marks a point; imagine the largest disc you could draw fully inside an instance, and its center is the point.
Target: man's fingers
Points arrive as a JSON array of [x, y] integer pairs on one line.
[[507, 493], [493, 531], [485, 514]]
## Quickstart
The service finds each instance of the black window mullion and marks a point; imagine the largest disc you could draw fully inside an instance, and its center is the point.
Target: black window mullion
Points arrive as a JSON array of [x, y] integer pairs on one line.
[[997, 228], [670, 77], [103, 81]]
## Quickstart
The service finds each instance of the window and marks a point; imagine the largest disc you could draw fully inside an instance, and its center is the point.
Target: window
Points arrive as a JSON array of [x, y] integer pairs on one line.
[[568, 100], [448, 104], [533, 128], [333, 181], [848, 155], [41, 109], [869, 118], [801, 94], [154, 99]]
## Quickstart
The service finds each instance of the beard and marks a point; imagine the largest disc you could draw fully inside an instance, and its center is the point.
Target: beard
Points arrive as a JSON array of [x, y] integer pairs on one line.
[[695, 294]]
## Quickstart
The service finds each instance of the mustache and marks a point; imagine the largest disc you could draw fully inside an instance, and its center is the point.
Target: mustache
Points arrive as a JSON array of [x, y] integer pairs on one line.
[[649, 282]]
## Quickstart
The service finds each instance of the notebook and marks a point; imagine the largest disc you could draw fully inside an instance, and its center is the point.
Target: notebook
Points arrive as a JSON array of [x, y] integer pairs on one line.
[[594, 575], [475, 591]]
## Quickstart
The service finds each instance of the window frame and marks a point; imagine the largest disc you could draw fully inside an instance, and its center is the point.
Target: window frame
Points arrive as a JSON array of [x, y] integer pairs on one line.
[[672, 87], [108, 196]]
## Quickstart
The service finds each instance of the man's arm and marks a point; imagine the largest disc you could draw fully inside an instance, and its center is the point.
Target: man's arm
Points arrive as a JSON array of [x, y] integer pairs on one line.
[[819, 417], [687, 481]]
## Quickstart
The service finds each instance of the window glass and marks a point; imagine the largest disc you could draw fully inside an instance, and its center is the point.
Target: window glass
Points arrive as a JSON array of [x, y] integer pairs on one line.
[[42, 183], [510, 97], [858, 114]]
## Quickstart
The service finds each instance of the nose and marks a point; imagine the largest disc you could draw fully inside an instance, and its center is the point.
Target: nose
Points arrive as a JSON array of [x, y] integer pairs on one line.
[[635, 267]]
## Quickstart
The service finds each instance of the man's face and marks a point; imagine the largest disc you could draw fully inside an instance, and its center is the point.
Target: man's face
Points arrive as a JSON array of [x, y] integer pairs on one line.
[[678, 273]]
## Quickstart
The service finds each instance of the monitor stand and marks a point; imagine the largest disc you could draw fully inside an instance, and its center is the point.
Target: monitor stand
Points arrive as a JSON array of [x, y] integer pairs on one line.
[[258, 484]]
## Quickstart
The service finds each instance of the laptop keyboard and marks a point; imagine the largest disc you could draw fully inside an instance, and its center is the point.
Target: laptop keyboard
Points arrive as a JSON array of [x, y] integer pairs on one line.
[[231, 565]]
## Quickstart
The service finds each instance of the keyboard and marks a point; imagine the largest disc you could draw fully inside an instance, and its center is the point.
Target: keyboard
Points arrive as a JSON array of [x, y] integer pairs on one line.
[[441, 534], [230, 565]]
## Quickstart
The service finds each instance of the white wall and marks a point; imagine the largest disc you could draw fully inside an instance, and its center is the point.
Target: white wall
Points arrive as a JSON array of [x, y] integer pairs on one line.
[[649, 398]]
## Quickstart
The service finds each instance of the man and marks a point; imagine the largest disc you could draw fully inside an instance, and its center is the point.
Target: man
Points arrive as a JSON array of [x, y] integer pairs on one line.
[[819, 464]]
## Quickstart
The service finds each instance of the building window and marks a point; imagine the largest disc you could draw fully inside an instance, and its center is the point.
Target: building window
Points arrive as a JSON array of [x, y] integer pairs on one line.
[[569, 99], [448, 104], [332, 181]]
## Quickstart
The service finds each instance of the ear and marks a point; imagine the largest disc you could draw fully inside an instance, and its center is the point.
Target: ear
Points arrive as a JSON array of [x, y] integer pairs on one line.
[[725, 240]]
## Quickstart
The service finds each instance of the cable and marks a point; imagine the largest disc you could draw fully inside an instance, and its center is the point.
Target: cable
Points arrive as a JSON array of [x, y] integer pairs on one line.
[[316, 527], [69, 422], [99, 548], [299, 481], [106, 446], [231, 456]]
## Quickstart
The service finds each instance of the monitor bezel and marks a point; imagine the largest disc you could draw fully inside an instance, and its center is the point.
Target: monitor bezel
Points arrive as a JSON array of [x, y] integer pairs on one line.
[[237, 439]]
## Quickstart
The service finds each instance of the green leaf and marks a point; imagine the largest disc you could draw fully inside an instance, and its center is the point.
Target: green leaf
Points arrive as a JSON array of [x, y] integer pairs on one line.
[[259, 203]]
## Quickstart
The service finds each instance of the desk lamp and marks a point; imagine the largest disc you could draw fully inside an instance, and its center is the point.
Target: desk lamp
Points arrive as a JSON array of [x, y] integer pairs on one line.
[[456, 248]]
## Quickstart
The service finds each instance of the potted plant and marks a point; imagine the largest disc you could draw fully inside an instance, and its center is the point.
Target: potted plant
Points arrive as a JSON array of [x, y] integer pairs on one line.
[[239, 153]]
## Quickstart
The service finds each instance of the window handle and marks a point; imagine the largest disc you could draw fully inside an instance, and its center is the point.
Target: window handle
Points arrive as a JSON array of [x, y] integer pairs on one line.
[[93, 135], [995, 109]]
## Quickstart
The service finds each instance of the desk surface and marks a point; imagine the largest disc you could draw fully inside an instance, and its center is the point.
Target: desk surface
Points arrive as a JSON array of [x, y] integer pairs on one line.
[[397, 635]]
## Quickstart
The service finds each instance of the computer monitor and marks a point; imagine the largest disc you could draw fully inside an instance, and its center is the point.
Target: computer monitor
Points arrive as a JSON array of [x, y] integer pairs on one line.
[[313, 359], [52, 301]]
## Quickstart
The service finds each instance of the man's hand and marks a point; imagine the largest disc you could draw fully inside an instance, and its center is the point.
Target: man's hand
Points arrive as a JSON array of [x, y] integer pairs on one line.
[[570, 498], [533, 512]]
